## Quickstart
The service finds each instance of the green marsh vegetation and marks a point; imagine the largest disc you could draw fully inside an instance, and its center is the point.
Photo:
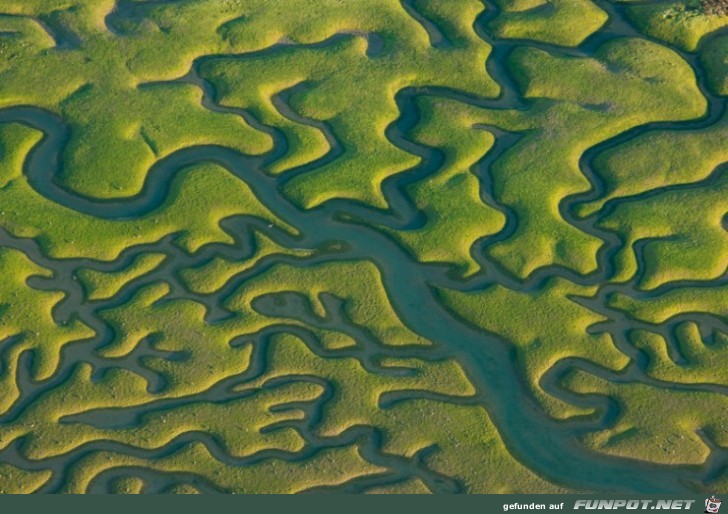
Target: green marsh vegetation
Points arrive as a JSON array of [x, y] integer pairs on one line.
[[367, 246]]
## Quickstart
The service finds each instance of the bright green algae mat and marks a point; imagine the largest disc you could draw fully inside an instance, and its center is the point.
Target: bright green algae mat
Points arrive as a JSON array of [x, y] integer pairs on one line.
[[370, 246]]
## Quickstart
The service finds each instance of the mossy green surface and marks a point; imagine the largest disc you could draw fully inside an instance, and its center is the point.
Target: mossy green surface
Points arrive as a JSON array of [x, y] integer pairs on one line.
[[715, 59], [199, 198], [682, 24], [688, 299], [358, 391], [470, 438], [128, 485], [642, 430], [272, 476], [358, 282], [454, 190], [20, 481], [413, 486], [102, 285], [683, 230], [561, 22], [372, 246], [577, 103], [240, 436], [211, 276], [177, 326], [363, 118], [27, 317], [685, 156], [699, 362], [544, 328]]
